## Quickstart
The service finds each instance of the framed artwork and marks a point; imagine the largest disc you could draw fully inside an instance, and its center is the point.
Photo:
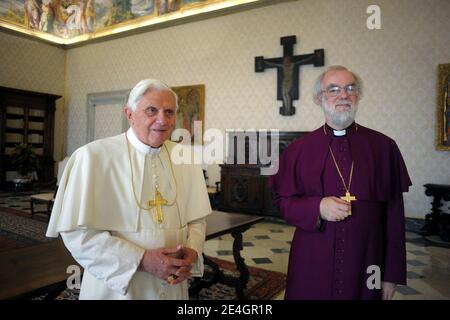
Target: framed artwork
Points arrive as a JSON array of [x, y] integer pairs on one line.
[[443, 108], [191, 108]]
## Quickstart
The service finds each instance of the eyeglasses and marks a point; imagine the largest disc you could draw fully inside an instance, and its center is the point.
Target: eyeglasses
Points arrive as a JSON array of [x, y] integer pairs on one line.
[[334, 91]]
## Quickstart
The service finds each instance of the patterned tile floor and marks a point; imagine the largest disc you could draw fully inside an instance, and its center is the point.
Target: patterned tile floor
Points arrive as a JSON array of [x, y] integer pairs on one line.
[[266, 245], [21, 200]]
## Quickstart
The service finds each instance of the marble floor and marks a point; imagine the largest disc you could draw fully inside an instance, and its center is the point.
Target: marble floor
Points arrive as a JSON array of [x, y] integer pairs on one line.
[[266, 245]]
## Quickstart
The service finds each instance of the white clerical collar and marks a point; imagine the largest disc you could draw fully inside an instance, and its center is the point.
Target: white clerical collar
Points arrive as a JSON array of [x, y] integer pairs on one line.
[[339, 133], [139, 145]]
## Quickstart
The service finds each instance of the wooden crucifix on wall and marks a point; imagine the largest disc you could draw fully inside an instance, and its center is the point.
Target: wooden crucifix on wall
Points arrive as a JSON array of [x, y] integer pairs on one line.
[[287, 71]]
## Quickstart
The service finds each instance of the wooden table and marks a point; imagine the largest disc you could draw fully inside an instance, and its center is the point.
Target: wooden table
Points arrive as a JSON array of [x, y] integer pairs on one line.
[[218, 224], [39, 269], [34, 270], [437, 222]]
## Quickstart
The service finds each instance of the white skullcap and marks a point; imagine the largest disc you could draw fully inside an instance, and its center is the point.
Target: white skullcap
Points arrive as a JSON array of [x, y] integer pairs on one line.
[[147, 84]]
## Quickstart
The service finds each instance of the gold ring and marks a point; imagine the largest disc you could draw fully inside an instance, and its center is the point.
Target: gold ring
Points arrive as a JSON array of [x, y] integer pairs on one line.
[[171, 278]]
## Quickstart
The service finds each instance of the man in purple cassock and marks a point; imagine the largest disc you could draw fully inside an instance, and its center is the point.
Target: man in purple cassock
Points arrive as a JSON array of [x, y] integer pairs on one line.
[[342, 187]]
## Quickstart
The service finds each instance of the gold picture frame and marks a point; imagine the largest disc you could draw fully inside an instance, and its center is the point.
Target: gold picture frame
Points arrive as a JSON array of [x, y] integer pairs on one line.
[[191, 108], [443, 108]]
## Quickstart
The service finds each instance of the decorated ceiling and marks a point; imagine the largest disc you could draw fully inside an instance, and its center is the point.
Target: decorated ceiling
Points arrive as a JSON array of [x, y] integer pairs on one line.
[[71, 21]]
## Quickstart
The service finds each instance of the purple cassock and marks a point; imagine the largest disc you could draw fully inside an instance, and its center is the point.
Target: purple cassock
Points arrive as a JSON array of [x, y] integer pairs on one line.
[[330, 260]]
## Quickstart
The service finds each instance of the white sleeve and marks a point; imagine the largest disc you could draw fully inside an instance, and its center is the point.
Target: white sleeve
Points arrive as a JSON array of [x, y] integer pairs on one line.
[[106, 257], [196, 240]]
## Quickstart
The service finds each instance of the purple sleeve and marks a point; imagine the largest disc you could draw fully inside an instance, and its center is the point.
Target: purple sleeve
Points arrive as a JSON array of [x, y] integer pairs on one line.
[[302, 212], [297, 209], [395, 250]]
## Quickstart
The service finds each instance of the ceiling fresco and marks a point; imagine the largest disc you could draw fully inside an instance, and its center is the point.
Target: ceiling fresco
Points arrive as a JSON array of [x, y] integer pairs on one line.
[[72, 21]]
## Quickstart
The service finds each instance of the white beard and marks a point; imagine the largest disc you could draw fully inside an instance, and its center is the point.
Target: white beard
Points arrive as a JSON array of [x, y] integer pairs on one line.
[[340, 119]]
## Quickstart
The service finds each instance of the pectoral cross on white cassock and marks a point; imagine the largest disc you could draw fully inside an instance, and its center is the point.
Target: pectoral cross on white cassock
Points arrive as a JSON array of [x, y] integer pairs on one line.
[[349, 198], [158, 202]]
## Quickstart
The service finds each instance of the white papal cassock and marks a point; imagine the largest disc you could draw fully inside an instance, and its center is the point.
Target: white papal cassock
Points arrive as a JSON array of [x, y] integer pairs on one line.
[[101, 224]]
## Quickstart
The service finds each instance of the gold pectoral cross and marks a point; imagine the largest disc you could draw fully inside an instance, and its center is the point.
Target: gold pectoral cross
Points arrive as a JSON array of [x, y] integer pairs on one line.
[[349, 198], [158, 202]]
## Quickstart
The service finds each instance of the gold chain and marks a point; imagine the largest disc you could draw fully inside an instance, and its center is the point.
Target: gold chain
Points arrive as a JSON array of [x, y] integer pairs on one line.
[[340, 174], [132, 178]]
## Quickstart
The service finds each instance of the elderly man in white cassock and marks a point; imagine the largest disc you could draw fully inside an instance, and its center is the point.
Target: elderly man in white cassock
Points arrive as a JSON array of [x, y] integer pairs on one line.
[[130, 217]]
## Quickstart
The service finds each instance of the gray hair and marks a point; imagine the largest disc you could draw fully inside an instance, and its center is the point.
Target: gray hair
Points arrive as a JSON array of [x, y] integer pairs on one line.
[[317, 89], [142, 87]]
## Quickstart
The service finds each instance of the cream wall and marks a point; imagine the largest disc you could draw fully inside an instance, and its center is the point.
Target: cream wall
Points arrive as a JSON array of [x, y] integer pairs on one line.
[[34, 66], [398, 64]]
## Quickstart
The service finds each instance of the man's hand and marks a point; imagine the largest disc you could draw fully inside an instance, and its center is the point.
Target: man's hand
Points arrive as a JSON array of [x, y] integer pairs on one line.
[[388, 290], [189, 256], [160, 263], [334, 209]]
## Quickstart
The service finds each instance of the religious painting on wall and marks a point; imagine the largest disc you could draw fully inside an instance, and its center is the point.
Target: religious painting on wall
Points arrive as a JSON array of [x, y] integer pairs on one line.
[[443, 109], [191, 110], [78, 20]]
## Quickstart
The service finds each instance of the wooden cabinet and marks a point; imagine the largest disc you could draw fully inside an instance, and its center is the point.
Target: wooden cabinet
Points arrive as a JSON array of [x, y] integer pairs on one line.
[[26, 117], [243, 188]]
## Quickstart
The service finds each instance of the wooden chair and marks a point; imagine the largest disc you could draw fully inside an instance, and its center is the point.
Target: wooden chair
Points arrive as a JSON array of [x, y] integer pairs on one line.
[[48, 197]]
